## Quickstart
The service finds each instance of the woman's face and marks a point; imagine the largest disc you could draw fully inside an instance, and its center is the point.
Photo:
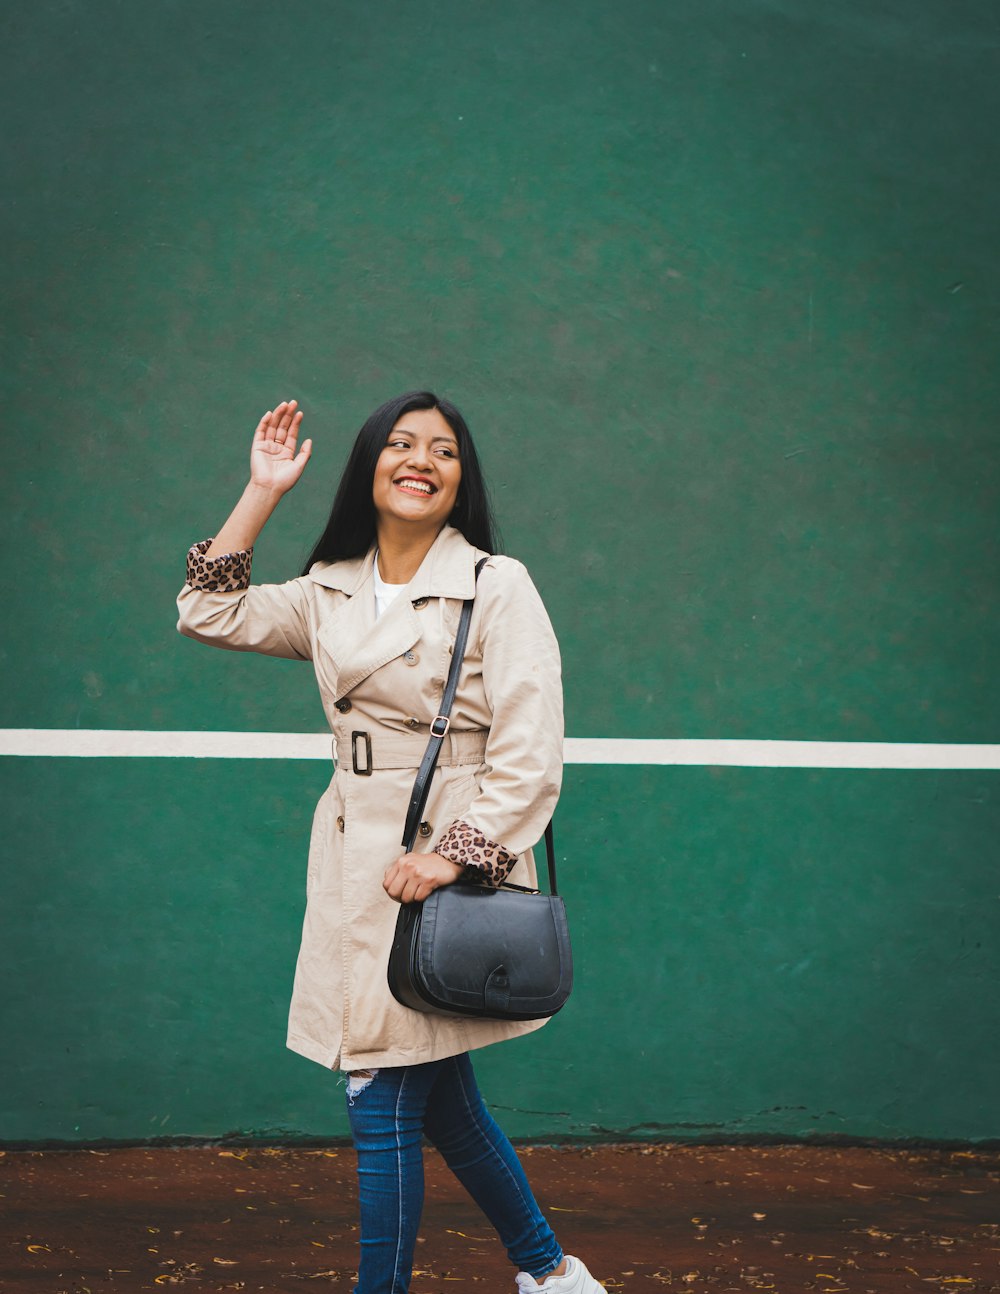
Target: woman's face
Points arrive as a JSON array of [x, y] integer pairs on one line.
[[418, 473]]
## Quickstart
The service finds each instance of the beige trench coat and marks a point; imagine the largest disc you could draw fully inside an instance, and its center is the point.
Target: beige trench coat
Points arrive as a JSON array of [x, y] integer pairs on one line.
[[500, 768]]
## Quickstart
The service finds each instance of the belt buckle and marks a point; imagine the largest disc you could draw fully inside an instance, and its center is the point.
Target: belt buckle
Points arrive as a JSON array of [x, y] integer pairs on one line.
[[366, 771]]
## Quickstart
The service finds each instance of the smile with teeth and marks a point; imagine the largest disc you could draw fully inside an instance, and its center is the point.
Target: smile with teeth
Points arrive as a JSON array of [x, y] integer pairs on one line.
[[421, 487]]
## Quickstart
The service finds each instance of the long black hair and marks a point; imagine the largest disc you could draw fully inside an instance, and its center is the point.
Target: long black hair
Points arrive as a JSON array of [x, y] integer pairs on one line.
[[350, 531]]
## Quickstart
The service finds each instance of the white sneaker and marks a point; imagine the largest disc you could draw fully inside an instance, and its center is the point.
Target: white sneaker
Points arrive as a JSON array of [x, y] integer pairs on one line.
[[576, 1280]]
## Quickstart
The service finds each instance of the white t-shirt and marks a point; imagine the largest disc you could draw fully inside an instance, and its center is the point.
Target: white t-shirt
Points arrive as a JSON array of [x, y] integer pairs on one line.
[[385, 594]]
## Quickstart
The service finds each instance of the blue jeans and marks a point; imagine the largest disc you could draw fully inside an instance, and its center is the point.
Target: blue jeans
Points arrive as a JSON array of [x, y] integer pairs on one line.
[[388, 1119]]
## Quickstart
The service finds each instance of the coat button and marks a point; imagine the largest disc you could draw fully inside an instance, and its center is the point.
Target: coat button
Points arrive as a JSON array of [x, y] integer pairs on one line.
[[420, 603], [411, 657], [343, 706], [426, 828], [412, 723], [340, 824]]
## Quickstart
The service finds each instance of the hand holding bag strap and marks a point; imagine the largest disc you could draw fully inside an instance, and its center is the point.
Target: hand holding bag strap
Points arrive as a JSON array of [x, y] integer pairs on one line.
[[439, 730]]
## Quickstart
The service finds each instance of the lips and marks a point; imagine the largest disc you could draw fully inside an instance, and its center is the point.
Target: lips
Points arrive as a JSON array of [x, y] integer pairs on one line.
[[416, 485]]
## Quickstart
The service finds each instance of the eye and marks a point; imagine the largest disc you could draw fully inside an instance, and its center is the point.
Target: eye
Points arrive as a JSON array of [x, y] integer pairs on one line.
[[398, 443], [447, 453]]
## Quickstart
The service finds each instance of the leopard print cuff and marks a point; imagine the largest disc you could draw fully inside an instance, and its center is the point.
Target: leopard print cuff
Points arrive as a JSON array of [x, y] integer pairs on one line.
[[466, 845], [227, 573]]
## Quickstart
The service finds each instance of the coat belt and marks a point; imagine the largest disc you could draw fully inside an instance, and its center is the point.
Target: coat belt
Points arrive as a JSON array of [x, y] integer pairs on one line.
[[362, 751]]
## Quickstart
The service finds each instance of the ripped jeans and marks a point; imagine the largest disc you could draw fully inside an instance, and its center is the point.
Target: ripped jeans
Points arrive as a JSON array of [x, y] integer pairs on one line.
[[389, 1115]]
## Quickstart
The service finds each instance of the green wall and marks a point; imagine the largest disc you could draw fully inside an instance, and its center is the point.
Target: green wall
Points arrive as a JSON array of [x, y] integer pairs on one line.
[[717, 286]]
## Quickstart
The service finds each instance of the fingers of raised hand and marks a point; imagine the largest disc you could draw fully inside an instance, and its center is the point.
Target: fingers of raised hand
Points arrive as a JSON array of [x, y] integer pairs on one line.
[[286, 418], [292, 434], [281, 420], [277, 433], [279, 423]]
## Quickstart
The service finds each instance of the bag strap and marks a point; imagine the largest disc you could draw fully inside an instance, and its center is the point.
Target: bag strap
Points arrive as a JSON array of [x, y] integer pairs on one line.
[[439, 730], [439, 726]]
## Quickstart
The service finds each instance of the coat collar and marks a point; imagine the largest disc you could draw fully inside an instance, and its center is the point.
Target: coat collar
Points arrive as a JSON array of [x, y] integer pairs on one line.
[[448, 570], [360, 644]]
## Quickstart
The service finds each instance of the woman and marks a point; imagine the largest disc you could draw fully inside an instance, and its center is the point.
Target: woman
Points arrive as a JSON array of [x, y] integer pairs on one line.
[[376, 613]]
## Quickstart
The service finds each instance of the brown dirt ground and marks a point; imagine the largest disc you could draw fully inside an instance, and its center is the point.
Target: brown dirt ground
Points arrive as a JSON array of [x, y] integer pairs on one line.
[[844, 1220]]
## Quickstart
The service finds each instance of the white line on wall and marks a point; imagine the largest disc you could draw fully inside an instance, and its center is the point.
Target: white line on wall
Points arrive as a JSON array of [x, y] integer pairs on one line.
[[104, 743]]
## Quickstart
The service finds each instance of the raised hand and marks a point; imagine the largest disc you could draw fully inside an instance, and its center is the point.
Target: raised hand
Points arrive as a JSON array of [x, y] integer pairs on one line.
[[274, 468], [274, 463]]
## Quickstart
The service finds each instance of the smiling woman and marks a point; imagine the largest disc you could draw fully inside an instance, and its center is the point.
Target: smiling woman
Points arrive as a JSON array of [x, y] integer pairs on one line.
[[376, 611], [417, 479], [351, 529]]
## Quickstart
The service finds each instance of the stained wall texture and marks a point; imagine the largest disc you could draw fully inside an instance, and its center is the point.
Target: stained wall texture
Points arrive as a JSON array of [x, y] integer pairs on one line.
[[717, 287]]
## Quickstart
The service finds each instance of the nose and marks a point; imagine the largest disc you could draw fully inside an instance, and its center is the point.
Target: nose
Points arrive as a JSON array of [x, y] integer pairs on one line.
[[420, 458]]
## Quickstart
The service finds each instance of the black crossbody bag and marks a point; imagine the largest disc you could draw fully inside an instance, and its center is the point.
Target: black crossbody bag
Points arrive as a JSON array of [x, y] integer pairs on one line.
[[467, 949]]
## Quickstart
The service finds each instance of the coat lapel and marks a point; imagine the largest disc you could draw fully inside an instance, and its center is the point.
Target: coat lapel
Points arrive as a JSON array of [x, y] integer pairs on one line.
[[358, 643], [448, 570], [382, 641]]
